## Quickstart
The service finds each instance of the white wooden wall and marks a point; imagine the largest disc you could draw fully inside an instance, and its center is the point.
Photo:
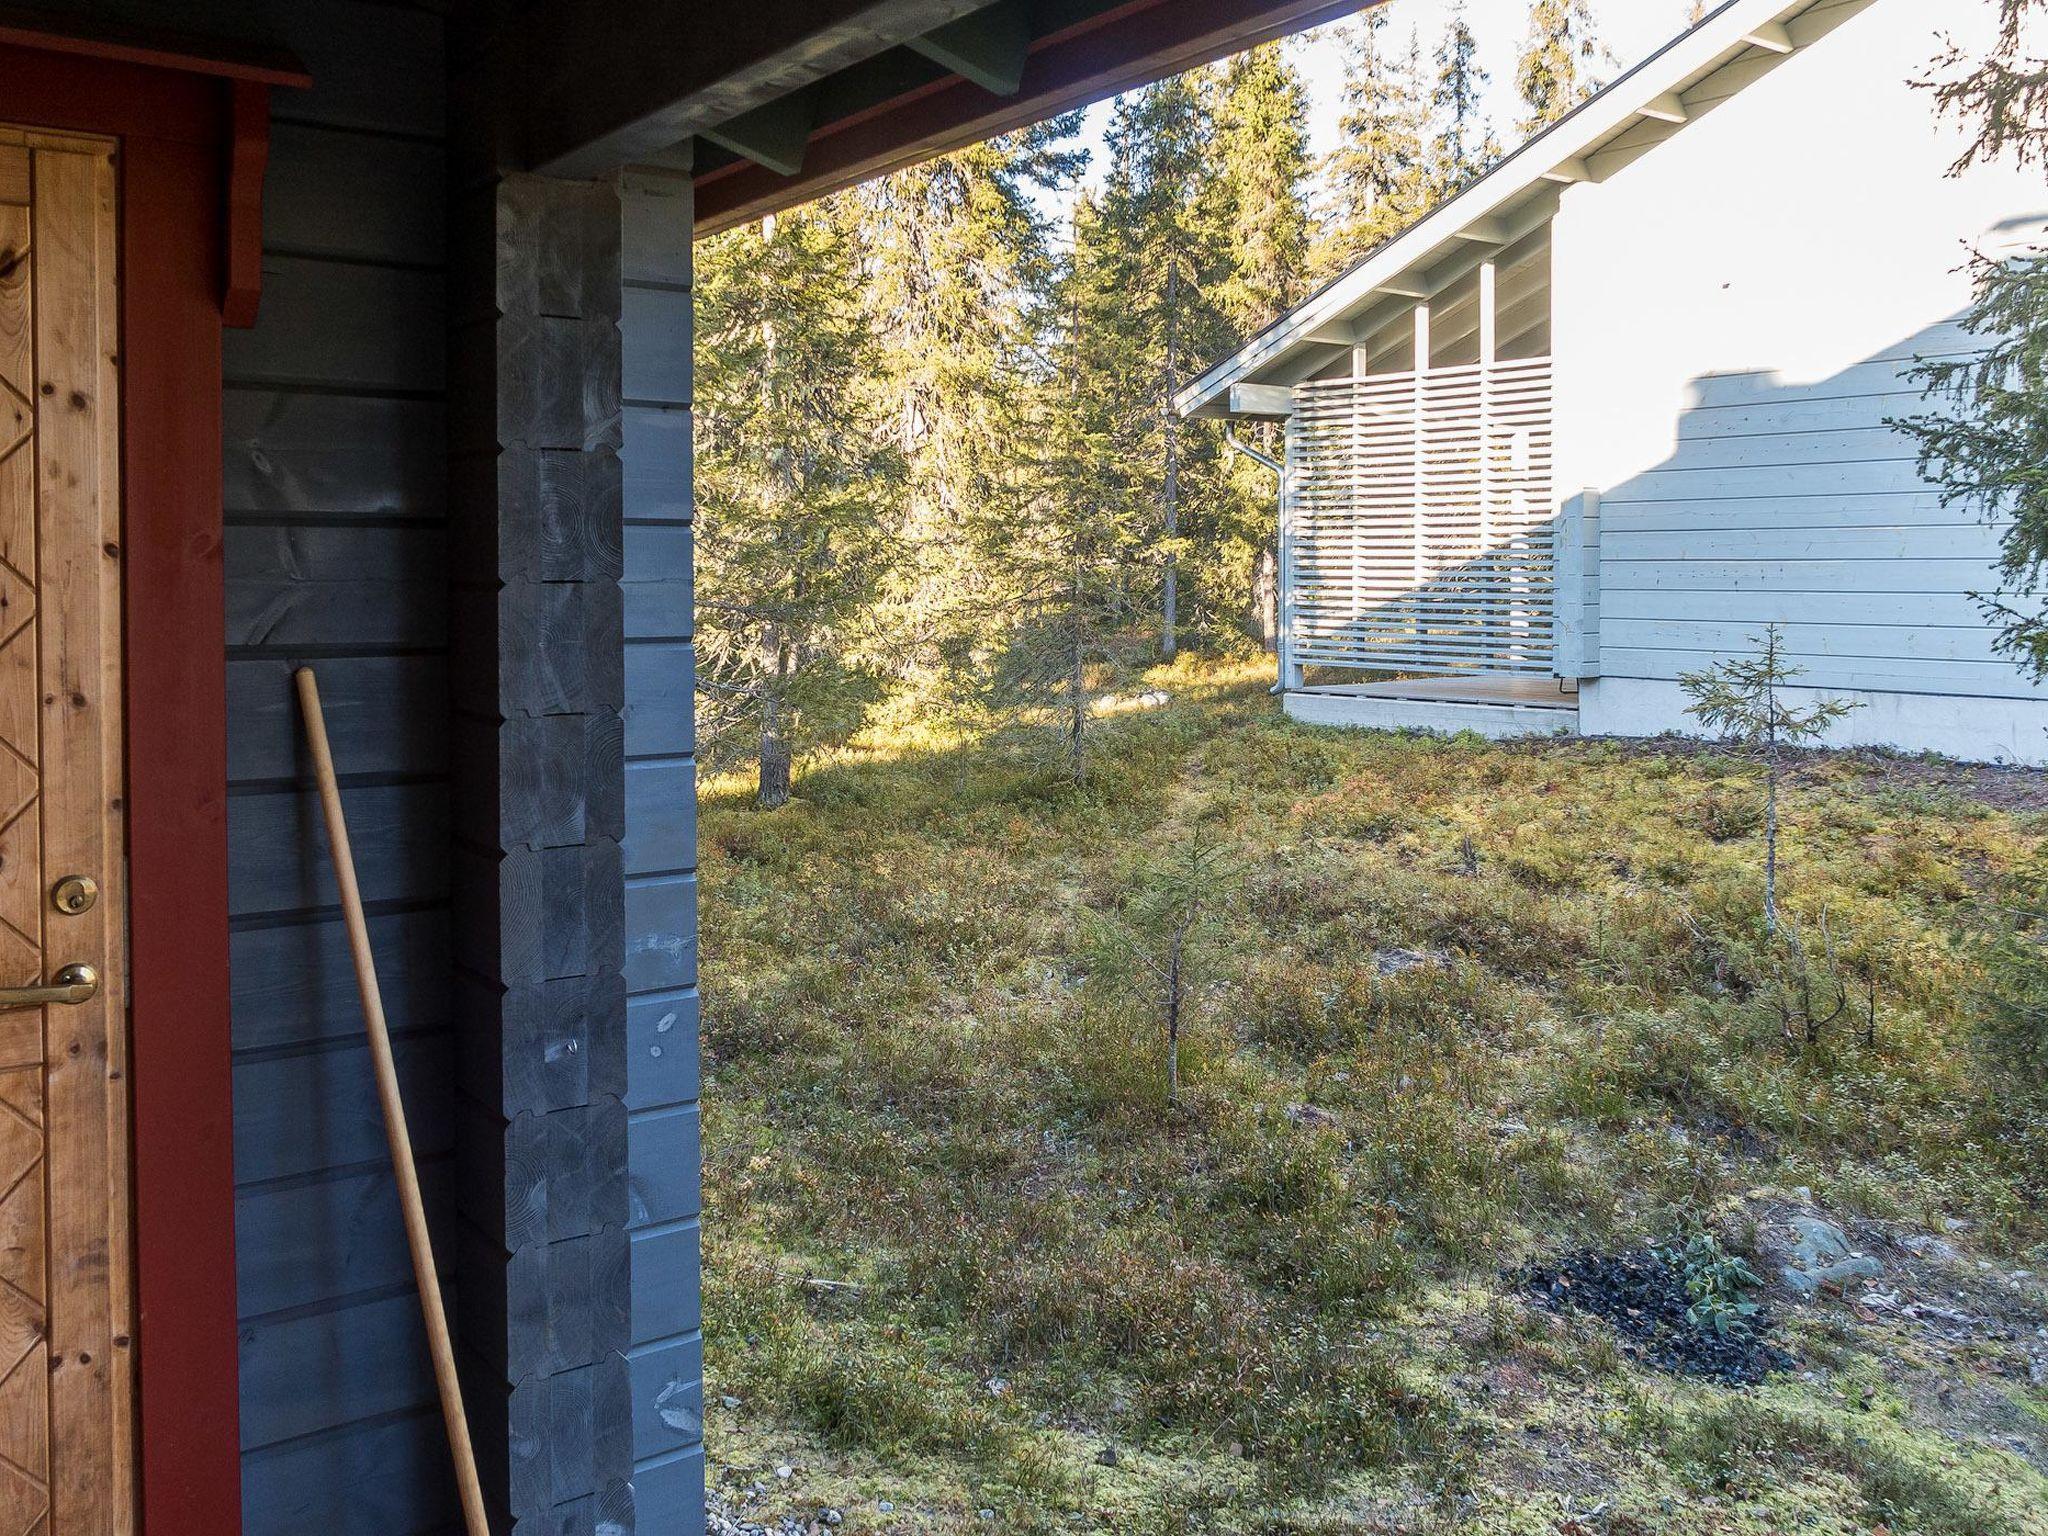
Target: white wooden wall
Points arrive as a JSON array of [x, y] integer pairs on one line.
[[1734, 314]]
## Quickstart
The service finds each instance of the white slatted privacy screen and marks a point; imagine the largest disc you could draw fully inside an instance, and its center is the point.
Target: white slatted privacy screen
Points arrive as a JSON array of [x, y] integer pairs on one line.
[[1421, 520]]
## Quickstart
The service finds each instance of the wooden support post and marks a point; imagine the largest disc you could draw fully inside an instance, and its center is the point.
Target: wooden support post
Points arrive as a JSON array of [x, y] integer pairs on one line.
[[537, 682], [1489, 317], [1420, 566], [1488, 326], [1290, 666], [439, 1342]]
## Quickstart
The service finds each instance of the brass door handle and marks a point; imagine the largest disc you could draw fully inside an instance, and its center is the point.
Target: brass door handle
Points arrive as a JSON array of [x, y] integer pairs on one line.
[[73, 984]]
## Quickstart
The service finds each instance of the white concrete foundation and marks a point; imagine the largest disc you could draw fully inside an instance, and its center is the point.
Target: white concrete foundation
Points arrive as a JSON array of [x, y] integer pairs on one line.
[[1976, 730]]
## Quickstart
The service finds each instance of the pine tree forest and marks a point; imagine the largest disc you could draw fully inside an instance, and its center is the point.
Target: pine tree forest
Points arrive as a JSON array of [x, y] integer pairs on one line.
[[938, 464]]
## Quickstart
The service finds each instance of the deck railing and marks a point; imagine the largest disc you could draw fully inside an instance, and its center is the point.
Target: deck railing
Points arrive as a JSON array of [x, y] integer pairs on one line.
[[1418, 525]]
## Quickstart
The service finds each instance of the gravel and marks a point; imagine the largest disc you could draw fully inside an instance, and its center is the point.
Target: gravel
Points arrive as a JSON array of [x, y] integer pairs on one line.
[[1642, 1297]]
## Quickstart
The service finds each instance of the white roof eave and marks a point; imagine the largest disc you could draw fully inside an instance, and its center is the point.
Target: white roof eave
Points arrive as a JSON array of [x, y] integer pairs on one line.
[[1559, 153]]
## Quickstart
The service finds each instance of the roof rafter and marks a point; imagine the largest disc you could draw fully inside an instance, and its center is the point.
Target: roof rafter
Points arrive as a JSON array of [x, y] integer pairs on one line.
[[988, 47]]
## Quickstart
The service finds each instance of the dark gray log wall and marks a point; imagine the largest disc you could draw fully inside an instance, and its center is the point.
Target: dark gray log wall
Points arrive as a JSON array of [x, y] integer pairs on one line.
[[493, 579], [667, 1349], [336, 549]]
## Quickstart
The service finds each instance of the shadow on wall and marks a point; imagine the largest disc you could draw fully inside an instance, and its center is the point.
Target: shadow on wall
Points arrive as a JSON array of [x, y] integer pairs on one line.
[[1800, 504]]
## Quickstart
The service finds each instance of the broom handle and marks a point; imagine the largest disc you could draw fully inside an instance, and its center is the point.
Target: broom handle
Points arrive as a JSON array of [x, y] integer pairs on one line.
[[438, 1339]]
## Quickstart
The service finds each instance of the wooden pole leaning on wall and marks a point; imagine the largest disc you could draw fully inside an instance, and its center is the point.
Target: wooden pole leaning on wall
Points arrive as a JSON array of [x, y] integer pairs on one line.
[[438, 1338]]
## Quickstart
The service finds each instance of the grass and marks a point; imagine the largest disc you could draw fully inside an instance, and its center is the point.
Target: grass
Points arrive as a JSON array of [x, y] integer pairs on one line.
[[964, 1254]]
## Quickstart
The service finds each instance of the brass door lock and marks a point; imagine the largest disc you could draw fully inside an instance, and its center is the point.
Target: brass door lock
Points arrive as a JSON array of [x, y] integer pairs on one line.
[[75, 894]]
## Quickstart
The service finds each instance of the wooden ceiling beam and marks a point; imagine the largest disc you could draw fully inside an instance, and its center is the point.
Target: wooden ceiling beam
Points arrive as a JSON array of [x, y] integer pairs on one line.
[[1128, 44], [988, 47], [772, 136]]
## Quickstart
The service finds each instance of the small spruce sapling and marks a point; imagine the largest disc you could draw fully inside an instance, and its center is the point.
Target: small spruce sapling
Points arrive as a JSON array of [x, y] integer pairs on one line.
[[1743, 699], [1168, 918]]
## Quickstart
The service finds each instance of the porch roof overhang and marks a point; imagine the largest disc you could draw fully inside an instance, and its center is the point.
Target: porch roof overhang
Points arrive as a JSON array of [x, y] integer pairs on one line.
[[790, 99], [1733, 46]]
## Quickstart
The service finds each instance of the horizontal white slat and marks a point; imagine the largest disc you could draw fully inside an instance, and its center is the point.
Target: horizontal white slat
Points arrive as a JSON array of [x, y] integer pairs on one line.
[[1420, 509], [1804, 643], [1883, 377], [1754, 609], [1989, 679], [1793, 575], [1768, 482], [1880, 509], [1954, 541], [1769, 416], [1848, 445]]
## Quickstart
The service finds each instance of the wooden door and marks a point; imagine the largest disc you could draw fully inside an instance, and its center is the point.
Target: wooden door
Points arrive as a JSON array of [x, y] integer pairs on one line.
[[66, 1411]]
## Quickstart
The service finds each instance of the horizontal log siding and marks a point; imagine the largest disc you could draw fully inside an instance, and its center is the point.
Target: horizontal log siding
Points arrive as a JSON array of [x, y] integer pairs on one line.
[[667, 1351], [1736, 327], [335, 506]]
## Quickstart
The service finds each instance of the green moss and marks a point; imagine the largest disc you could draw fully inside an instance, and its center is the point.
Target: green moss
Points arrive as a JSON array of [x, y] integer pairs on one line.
[[935, 1078]]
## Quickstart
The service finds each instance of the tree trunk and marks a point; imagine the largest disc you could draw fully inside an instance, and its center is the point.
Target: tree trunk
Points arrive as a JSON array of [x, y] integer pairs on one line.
[[1173, 1002], [773, 789], [1077, 711], [1169, 619], [1077, 675], [1771, 844], [1266, 601]]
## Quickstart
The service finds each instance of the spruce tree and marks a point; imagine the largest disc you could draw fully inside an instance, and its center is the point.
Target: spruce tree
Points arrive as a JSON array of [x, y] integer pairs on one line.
[[1064, 563], [1265, 230], [960, 268], [798, 491], [1461, 146], [1146, 316], [1560, 61], [1260, 157], [1989, 449], [1378, 175]]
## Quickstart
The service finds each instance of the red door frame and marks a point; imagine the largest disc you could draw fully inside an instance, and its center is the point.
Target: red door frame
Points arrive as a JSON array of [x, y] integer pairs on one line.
[[178, 150]]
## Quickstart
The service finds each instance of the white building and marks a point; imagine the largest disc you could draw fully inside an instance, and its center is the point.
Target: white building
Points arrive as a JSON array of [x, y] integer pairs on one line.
[[1599, 419]]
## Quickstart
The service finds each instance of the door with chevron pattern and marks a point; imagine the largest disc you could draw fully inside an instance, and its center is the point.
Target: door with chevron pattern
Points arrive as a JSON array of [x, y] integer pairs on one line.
[[66, 1331]]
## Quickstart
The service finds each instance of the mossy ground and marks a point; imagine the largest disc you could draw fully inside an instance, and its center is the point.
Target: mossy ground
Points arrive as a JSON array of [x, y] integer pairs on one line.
[[935, 1080]]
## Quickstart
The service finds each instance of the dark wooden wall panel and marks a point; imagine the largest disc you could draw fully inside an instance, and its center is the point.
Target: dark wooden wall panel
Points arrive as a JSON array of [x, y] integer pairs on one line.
[[333, 192], [308, 1373], [386, 714], [306, 584], [660, 854], [293, 984], [382, 1475], [276, 852], [340, 325], [304, 1114], [307, 1234], [295, 454], [336, 502]]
